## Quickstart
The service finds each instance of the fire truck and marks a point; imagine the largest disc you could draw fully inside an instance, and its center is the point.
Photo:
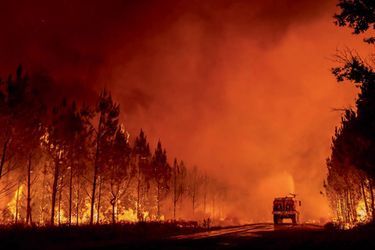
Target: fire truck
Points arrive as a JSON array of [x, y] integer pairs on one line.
[[286, 208]]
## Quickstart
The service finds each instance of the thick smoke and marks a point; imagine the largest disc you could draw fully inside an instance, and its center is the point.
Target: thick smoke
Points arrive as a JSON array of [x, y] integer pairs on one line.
[[240, 88]]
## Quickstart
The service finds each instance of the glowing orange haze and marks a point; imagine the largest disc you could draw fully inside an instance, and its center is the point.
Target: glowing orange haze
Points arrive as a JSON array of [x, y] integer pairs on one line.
[[242, 89], [259, 116]]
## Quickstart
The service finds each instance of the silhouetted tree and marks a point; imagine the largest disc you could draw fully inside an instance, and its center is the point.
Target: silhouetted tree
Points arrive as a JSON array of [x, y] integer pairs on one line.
[[179, 183], [58, 141], [141, 151], [358, 15], [161, 173], [195, 181], [56, 145], [108, 113], [120, 169], [28, 119], [78, 137], [351, 167]]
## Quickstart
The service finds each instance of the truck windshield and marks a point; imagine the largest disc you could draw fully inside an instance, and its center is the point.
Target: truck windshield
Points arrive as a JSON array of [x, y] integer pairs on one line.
[[278, 207], [289, 206]]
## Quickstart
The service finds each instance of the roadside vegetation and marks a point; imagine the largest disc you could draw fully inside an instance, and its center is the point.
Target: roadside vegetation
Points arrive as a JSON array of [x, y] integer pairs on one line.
[[350, 183]]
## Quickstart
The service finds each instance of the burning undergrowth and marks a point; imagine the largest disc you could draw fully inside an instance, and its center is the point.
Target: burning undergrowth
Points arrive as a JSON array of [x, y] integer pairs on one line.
[[70, 163]]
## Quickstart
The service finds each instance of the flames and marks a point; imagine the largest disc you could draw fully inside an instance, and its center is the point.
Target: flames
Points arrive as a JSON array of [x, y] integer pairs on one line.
[[122, 214], [14, 203], [78, 166], [362, 215], [128, 215], [80, 201]]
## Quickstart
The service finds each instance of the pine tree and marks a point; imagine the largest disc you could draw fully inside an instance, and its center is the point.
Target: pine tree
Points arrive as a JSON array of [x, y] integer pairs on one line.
[[161, 173], [352, 162], [120, 171], [108, 113], [141, 152]]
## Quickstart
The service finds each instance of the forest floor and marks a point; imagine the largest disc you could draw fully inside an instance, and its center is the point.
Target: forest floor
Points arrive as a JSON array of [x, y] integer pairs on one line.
[[170, 236]]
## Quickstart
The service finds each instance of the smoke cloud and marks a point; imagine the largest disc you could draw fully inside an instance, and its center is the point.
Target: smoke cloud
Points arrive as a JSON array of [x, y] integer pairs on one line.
[[240, 88]]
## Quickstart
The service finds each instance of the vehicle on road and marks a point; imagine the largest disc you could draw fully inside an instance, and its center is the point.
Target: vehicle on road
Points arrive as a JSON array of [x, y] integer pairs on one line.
[[287, 207]]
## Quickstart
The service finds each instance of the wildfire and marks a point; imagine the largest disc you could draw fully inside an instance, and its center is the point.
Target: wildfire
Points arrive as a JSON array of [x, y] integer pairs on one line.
[[362, 215], [86, 212], [128, 215], [13, 204], [89, 170], [61, 217]]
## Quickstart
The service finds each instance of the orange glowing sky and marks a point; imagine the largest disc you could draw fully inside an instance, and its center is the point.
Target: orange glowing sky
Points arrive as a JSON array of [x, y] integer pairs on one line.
[[242, 89]]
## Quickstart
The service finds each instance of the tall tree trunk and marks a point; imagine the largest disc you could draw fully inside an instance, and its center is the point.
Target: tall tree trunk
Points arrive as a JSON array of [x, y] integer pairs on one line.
[[346, 202], [96, 168], [94, 189], [349, 207], [43, 194], [364, 196], [78, 197], [372, 199], [28, 205], [113, 204], [70, 193], [193, 200], [204, 202], [138, 192], [158, 201], [54, 191], [345, 207], [213, 206], [17, 199], [174, 193], [338, 210], [5, 146], [205, 194], [60, 198], [99, 199], [174, 209], [352, 207]]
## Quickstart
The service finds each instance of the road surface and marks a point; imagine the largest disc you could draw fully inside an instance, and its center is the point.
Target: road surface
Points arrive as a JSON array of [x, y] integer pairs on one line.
[[259, 236], [246, 230], [252, 230]]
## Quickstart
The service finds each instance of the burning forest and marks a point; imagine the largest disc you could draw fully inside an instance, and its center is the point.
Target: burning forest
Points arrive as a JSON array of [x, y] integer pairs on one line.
[[350, 181], [77, 164], [182, 124]]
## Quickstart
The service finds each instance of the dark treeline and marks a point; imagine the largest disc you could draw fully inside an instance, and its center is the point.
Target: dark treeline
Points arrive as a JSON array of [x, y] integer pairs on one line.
[[70, 163], [351, 166]]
